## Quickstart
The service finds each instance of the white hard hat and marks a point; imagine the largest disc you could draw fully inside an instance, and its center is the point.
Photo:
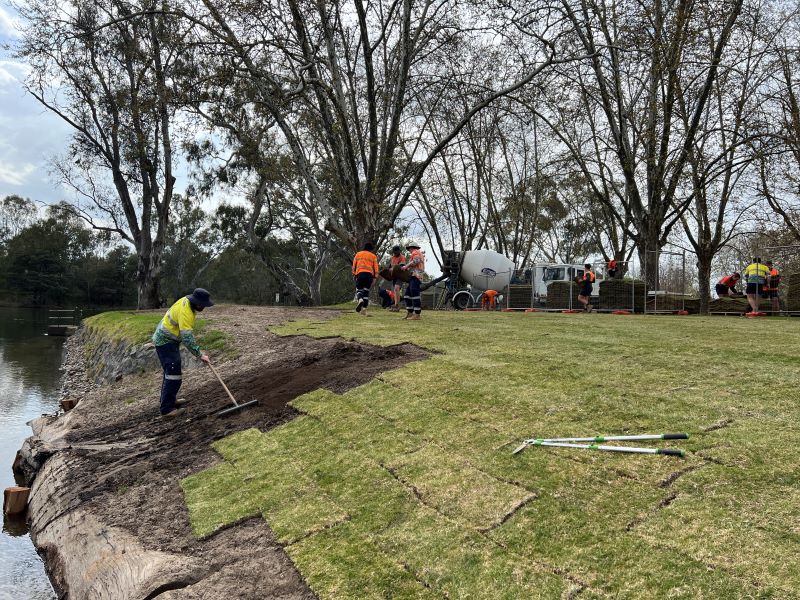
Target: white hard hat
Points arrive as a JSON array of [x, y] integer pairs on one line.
[[413, 244]]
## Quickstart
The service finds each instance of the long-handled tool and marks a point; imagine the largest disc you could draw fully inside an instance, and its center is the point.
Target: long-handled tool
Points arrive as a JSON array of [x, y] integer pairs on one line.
[[236, 406], [568, 443]]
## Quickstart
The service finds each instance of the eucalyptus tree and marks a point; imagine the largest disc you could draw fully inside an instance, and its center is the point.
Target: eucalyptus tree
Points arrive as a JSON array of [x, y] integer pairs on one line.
[[105, 67], [717, 188], [350, 84], [619, 113]]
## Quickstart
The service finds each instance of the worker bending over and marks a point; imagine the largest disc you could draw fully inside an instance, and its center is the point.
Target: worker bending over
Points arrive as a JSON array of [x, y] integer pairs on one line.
[[397, 259], [587, 283], [388, 299], [755, 275], [771, 286], [489, 300], [416, 267], [176, 328], [727, 285], [365, 270]]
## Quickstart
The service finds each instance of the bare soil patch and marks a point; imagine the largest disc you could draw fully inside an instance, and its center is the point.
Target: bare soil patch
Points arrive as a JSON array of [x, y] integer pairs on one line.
[[127, 462]]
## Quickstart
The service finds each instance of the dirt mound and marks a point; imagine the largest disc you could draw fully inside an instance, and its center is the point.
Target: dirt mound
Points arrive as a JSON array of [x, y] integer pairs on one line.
[[126, 462]]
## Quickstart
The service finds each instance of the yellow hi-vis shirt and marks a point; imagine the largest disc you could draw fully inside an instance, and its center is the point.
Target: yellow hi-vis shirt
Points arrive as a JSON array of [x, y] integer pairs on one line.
[[756, 273], [177, 326]]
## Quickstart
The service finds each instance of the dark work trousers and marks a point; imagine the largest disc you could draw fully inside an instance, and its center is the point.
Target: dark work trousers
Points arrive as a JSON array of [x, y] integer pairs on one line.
[[413, 296], [363, 283], [170, 356]]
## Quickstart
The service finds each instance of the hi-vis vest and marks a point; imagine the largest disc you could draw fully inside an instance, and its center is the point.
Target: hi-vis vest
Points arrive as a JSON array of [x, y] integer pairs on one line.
[[365, 262], [589, 277], [416, 263], [756, 273], [774, 281], [179, 319]]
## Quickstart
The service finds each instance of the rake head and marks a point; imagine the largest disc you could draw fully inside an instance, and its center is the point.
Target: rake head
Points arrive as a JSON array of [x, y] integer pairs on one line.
[[236, 408]]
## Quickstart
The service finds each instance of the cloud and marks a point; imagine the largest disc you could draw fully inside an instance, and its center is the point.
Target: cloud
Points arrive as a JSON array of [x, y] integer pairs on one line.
[[15, 174], [9, 25]]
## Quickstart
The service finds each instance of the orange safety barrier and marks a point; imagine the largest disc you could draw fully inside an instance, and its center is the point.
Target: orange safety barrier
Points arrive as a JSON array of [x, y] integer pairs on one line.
[[620, 312]]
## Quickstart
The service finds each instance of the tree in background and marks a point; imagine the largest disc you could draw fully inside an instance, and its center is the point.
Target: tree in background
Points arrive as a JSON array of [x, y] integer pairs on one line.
[[105, 68]]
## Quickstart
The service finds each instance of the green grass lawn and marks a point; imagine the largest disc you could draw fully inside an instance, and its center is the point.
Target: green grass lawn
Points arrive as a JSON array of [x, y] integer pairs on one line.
[[406, 487], [137, 327]]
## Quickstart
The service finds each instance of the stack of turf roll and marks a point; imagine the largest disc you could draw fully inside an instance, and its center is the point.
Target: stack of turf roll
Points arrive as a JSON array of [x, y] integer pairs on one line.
[[793, 292], [622, 294], [558, 293], [520, 296], [673, 302], [735, 305]]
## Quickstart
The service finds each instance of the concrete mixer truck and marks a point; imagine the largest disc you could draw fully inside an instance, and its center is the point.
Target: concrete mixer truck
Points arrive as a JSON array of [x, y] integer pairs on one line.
[[481, 270]]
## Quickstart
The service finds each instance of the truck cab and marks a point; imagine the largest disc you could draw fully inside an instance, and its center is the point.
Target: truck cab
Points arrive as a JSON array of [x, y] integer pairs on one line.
[[544, 275]]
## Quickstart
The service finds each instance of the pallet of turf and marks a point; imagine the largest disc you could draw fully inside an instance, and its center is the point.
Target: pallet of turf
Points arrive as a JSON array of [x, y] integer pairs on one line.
[[622, 294], [558, 295], [520, 296]]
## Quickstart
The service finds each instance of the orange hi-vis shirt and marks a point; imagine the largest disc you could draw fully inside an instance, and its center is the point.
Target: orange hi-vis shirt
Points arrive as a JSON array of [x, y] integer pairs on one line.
[[729, 280], [397, 260], [365, 262], [773, 281], [416, 263]]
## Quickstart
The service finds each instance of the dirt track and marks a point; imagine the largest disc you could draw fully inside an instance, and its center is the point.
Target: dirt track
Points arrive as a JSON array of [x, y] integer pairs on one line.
[[125, 462]]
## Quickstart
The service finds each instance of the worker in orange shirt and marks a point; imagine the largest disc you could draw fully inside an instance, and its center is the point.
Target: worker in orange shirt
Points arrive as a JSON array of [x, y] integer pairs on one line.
[[397, 260], [611, 268], [388, 299], [365, 270], [489, 300], [587, 283], [727, 285], [416, 267], [770, 289]]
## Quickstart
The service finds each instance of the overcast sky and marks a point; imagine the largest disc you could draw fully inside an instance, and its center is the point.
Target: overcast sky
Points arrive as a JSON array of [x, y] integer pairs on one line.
[[29, 135]]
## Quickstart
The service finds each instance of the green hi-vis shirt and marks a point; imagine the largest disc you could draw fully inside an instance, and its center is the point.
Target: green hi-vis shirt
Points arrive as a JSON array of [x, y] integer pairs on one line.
[[177, 326]]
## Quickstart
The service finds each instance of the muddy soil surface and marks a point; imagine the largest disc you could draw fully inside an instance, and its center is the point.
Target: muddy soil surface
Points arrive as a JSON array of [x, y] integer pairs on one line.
[[127, 462]]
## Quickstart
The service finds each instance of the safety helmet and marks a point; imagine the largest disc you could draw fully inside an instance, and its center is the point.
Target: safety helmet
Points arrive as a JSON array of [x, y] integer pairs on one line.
[[413, 244]]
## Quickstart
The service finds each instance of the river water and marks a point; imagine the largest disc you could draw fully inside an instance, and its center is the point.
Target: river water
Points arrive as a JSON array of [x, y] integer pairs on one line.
[[29, 387]]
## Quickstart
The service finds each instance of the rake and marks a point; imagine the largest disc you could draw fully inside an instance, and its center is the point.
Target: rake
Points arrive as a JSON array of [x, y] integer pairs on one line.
[[570, 443], [236, 406]]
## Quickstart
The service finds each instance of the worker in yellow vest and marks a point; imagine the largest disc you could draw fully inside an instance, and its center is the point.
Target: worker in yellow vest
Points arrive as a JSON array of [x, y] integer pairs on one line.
[[176, 328], [755, 275]]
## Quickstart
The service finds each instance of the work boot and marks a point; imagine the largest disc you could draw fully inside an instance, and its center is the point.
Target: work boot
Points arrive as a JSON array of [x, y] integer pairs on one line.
[[181, 402], [359, 305], [408, 315], [414, 317], [177, 412]]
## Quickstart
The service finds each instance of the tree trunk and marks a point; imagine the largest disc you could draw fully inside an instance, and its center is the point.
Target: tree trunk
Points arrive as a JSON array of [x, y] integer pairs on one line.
[[704, 280], [148, 281]]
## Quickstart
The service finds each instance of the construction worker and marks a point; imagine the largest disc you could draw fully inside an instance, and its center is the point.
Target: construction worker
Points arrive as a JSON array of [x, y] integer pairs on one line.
[[388, 299], [611, 268], [727, 285], [175, 328], [587, 283], [771, 286], [416, 267], [489, 300], [755, 275], [365, 270], [397, 259]]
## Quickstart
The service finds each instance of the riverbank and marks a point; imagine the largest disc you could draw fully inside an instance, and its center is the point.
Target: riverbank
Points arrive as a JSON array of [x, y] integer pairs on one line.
[[107, 510]]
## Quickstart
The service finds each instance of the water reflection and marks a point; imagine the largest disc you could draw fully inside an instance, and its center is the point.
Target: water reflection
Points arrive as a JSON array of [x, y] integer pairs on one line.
[[29, 382]]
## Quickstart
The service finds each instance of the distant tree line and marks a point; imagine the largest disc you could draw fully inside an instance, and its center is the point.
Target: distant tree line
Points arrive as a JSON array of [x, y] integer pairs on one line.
[[56, 259]]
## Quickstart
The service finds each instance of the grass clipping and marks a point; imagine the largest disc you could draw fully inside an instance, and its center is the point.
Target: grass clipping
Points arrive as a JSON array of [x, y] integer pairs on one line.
[[406, 487]]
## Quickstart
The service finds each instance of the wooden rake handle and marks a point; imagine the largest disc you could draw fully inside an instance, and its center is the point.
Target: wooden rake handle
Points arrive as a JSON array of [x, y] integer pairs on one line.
[[213, 370]]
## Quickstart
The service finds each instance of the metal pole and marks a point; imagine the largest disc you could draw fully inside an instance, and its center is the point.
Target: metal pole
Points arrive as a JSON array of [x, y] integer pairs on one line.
[[626, 449], [683, 284]]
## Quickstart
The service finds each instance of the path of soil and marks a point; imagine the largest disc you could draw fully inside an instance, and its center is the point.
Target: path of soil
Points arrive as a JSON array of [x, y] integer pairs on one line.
[[125, 462]]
